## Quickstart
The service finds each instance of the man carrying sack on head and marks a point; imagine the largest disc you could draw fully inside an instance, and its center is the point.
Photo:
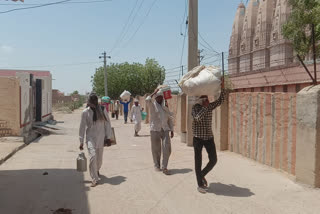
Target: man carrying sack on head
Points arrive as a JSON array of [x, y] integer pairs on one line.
[[161, 127], [203, 136]]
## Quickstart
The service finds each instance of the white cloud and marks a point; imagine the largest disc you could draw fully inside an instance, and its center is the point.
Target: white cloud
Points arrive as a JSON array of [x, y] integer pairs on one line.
[[6, 49]]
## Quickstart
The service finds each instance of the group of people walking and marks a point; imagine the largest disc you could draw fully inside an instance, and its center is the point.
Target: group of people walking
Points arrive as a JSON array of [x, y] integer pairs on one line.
[[96, 127]]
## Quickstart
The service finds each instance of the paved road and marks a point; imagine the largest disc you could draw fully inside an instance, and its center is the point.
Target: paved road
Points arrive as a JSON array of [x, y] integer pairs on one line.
[[130, 185]]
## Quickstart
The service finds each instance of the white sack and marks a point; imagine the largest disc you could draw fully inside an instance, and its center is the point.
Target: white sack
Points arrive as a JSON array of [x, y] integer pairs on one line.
[[125, 95], [201, 80]]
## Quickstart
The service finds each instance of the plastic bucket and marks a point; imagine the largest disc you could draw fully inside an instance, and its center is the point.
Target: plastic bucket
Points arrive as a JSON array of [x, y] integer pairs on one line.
[[144, 115], [167, 94]]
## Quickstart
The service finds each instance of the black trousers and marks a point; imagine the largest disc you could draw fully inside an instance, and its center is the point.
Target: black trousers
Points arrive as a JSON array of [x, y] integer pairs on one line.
[[210, 146], [117, 114], [125, 116]]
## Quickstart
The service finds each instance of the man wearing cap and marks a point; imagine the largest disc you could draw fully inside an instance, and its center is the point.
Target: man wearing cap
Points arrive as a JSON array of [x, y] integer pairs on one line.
[[136, 117], [161, 128]]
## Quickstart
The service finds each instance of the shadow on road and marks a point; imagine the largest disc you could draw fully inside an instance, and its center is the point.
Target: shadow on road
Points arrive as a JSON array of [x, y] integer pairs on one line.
[[180, 171], [42, 191], [116, 180], [229, 190]]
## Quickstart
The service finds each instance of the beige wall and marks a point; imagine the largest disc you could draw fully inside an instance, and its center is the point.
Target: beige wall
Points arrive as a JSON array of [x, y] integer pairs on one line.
[[10, 104], [25, 100], [308, 136]]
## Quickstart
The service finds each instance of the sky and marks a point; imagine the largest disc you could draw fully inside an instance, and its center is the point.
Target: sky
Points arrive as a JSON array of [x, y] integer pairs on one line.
[[67, 39]]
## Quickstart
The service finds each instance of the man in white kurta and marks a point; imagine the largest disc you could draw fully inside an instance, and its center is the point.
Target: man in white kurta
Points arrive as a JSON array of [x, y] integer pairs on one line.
[[95, 133], [136, 117], [161, 125]]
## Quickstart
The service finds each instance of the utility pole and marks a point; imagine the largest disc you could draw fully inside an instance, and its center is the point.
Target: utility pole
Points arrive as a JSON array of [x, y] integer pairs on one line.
[[222, 54], [192, 60], [104, 56]]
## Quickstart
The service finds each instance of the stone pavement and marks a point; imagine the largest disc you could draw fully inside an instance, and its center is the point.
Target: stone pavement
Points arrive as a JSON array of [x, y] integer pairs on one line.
[[42, 178]]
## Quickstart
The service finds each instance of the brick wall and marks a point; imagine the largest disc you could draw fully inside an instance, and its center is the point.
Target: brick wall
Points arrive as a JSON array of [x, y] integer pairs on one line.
[[10, 106], [5, 129]]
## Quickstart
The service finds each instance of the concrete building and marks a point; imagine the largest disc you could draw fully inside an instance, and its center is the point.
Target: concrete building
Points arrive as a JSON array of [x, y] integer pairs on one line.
[[260, 58], [26, 97]]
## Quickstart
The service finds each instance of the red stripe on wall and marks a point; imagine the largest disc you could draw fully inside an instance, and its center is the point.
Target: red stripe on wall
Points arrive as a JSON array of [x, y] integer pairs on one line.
[[234, 114], [268, 128], [46, 115], [245, 126], [285, 123], [254, 111], [278, 130], [261, 125], [241, 109]]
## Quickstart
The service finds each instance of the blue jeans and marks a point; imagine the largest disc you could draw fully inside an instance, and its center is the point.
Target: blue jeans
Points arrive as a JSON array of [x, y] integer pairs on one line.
[[125, 116]]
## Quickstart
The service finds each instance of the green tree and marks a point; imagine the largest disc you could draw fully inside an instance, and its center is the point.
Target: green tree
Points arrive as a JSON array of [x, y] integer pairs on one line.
[[298, 29], [75, 92], [137, 78]]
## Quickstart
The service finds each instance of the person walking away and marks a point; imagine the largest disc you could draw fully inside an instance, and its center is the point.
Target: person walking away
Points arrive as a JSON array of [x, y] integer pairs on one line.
[[125, 110], [203, 137], [161, 125], [136, 116], [117, 109], [95, 126]]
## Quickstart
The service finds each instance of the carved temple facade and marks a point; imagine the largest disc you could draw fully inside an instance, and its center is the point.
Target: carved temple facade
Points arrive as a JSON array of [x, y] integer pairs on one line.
[[260, 58]]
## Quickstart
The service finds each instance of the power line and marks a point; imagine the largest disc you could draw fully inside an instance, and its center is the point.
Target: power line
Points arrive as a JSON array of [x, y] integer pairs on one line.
[[184, 16], [122, 34], [57, 65], [143, 21], [71, 2], [208, 44], [37, 6], [184, 42]]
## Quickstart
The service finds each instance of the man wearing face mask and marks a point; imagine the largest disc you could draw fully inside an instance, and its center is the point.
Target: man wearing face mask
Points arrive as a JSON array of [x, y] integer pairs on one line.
[[203, 136], [161, 129]]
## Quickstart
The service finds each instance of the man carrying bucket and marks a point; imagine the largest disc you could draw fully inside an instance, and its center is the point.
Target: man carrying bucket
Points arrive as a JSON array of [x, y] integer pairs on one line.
[[161, 125]]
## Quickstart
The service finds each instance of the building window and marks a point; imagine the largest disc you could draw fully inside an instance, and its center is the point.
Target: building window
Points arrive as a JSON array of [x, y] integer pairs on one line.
[[273, 89], [297, 88], [262, 89], [252, 89], [285, 88]]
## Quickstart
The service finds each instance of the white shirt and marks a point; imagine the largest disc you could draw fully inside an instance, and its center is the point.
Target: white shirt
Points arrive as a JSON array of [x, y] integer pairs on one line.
[[160, 116], [136, 113], [116, 106], [95, 132]]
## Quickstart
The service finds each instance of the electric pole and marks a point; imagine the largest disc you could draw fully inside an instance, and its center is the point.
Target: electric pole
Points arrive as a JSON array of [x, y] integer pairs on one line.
[[192, 60], [104, 56]]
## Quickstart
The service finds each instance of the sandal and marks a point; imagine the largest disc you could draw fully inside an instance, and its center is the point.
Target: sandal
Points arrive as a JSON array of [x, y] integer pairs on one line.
[[94, 184], [205, 182], [166, 171]]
